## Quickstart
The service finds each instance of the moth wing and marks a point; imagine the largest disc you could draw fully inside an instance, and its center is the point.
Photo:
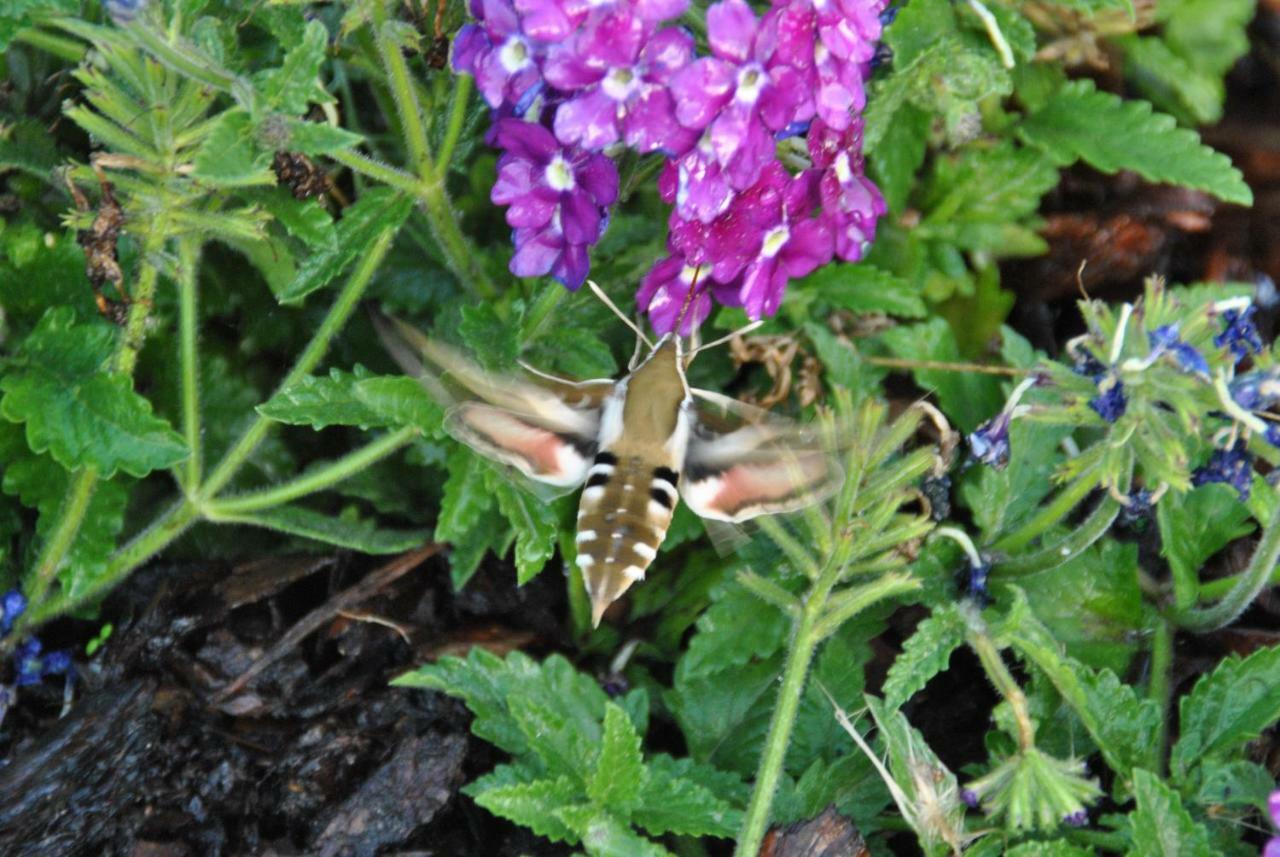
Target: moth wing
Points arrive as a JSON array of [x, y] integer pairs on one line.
[[546, 428], [743, 462]]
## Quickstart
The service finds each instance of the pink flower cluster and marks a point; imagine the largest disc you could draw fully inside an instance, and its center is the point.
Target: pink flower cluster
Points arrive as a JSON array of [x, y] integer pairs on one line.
[[570, 80]]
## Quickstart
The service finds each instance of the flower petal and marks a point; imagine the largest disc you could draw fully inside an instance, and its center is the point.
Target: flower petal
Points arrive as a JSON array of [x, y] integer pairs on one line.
[[536, 252], [731, 29], [700, 90], [579, 217], [589, 120], [650, 124], [598, 176], [527, 140]]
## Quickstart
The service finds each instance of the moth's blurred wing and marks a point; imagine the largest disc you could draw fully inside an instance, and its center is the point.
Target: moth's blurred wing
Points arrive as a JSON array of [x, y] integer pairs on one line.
[[546, 430], [540, 451], [743, 462]]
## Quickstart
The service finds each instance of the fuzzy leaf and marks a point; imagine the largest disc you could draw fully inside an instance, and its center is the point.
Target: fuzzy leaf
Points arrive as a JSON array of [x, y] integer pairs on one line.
[[17, 15], [317, 138], [25, 146], [1238, 783], [468, 519], [378, 210], [306, 220], [491, 339], [78, 413], [605, 836], [1227, 708], [619, 777], [529, 804], [356, 398], [925, 654], [683, 797], [720, 644], [900, 155], [862, 288], [1161, 826], [534, 521], [345, 532], [293, 86], [1136, 138], [230, 155], [965, 397], [1204, 521]]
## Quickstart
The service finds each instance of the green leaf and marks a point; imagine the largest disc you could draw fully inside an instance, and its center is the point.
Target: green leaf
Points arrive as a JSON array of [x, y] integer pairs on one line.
[[966, 397], [378, 210], [534, 520], [230, 155], [25, 146], [862, 288], [76, 411], [317, 138], [720, 644], [1204, 521], [900, 155], [1161, 826], [1052, 848], [1003, 500], [356, 398], [292, 87], [1227, 708], [468, 519], [1210, 34], [529, 804], [491, 339], [306, 219], [41, 483], [1136, 138], [925, 654], [619, 777], [1235, 784], [605, 836], [689, 799], [17, 15], [1172, 83], [345, 532]]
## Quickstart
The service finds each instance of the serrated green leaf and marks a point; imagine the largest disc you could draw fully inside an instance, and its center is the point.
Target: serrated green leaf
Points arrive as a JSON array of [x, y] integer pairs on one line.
[[76, 411], [1204, 521], [720, 645], [845, 368], [492, 340], [862, 288], [1052, 848], [41, 483], [606, 836], [468, 519], [1227, 708], [535, 523], [1237, 784], [356, 398], [293, 86], [317, 138], [899, 156], [25, 146], [345, 532], [1003, 500], [1161, 826], [1211, 34], [619, 777], [995, 185], [967, 398], [230, 155], [17, 15], [532, 805], [724, 716], [377, 211], [689, 799], [918, 26], [1170, 82], [306, 220], [925, 654], [1132, 137]]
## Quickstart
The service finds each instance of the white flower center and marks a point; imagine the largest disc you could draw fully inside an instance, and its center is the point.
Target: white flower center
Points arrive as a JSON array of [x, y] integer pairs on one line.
[[844, 172], [774, 240], [751, 81], [688, 274], [619, 83], [514, 55], [559, 175]]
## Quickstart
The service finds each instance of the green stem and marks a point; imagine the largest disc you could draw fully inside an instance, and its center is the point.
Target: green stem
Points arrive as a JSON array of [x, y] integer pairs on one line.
[[70, 517], [457, 118], [378, 171], [313, 480], [994, 666], [453, 244], [803, 643], [1158, 689], [64, 49], [341, 310], [188, 260], [142, 300], [1063, 502], [1214, 589], [402, 92], [1240, 596]]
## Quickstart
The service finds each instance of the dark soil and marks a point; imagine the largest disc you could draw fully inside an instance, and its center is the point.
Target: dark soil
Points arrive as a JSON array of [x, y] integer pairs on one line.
[[246, 710]]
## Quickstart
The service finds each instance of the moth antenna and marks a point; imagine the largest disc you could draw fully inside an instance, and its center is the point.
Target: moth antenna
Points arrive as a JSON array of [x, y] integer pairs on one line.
[[599, 292], [742, 331]]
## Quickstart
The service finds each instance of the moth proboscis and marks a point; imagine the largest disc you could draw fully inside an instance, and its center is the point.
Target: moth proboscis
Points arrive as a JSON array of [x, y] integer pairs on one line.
[[638, 445]]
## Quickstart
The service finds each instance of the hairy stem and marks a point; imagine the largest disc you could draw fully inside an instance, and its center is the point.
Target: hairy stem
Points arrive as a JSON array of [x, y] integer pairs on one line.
[[188, 261], [994, 666], [457, 118], [1240, 596], [1062, 504], [311, 356], [313, 480], [407, 107], [1158, 689]]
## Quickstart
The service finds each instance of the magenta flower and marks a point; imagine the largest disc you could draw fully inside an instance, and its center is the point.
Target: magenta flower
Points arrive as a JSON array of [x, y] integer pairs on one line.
[[664, 291], [851, 203], [740, 95], [558, 198], [1272, 848], [696, 184], [619, 70], [499, 53]]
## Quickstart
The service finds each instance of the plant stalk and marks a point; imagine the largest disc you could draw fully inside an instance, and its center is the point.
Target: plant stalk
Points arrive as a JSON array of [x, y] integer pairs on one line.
[[1061, 506], [1237, 600], [188, 358], [1158, 690]]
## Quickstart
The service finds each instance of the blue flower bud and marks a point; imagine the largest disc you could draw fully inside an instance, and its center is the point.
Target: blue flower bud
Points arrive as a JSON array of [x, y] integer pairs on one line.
[[28, 668], [12, 605], [1110, 403], [1232, 466], [989, 442], [1238, 334]]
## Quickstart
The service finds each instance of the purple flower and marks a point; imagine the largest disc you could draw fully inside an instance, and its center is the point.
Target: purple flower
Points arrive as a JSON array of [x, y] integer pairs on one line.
[[851, 203], [123, 12], [696, 184], [664, 291], [1255, 391], [970, 798], [1232, 466], [1138, 509], [26, 662], [1238, 334], [504, 50], [739, 94], [1079, 818], [976, 583], [619, 71], [558, 198], [1166, 339], [12, 605], [1110, 403], [989, 442], [1089, 366], [766, 238], [1272, 848]]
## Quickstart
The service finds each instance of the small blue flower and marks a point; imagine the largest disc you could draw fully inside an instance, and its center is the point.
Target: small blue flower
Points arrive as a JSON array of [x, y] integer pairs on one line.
[[888, 15], [1272, 434], [1232, 466], [1089, 366], [1238, 334], [1166, 339], [970, 798], [57, 663], [1138, 508], [1249, 393], [1079, 818], [27, 664], [976, 586], [123, 12], [12, 605], [989, 442], [1110, 403]]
